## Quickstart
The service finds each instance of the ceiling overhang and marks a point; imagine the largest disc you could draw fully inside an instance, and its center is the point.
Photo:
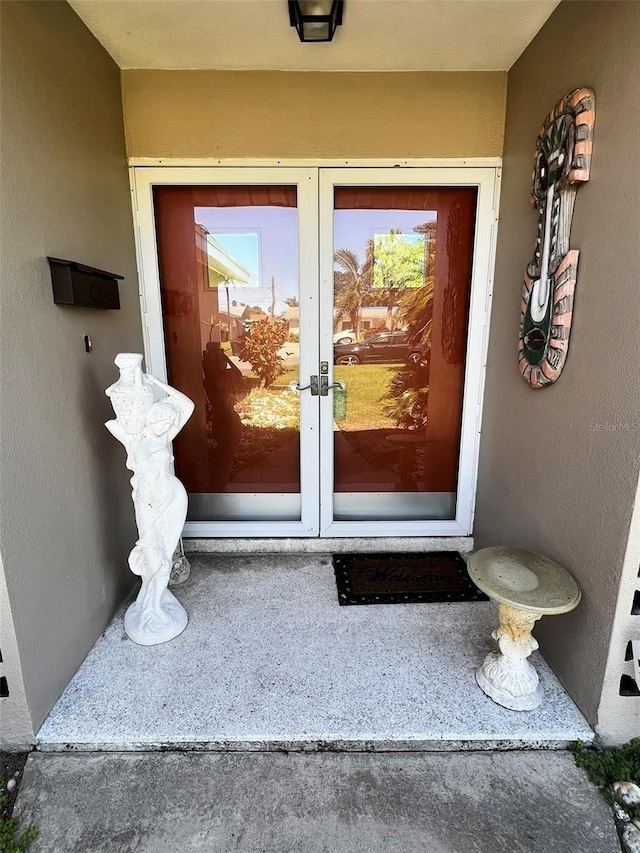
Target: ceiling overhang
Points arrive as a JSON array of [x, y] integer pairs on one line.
[[377, 35]]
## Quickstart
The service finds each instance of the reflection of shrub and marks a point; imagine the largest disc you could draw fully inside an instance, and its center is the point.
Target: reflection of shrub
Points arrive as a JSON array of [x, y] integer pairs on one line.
[[260, 348], [406, 400], [257, 443], [294, 337], [270, 409]]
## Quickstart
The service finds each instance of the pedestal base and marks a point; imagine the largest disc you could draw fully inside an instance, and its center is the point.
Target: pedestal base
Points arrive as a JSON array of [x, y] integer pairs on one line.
[[495, 679], [148, 627], [507, 676]]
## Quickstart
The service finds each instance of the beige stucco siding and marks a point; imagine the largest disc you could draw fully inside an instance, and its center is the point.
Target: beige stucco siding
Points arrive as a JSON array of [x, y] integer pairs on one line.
[[16, 729], [270, 114], [619, 716], [66, 521], [559, 466]]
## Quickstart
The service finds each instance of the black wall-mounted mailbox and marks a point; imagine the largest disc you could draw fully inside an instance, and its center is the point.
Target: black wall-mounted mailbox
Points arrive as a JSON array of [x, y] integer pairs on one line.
[[86, 287]]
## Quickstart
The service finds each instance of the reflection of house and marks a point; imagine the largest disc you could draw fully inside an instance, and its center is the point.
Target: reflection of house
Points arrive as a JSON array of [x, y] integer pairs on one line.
[[217, 267], [232, 321], [223, 268], [371, 317], [292, 316]]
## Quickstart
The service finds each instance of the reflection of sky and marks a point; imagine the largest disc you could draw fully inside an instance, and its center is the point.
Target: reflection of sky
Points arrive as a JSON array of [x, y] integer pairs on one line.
[[277, 230], [244, 248], [352, 228]]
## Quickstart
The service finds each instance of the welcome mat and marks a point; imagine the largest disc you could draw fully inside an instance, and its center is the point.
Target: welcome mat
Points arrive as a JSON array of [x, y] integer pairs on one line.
[[435, 576]]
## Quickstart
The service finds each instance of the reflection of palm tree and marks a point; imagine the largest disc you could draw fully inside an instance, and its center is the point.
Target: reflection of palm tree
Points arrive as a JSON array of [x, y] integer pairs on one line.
[[350, 282], [416, 312], [389, 276], [416, 305], [407, 398]]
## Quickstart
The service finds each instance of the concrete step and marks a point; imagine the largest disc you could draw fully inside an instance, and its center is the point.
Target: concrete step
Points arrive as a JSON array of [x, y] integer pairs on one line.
[[270, 661]]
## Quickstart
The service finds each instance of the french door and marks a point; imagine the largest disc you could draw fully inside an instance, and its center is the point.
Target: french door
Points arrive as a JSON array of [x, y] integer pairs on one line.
[[330, 326]]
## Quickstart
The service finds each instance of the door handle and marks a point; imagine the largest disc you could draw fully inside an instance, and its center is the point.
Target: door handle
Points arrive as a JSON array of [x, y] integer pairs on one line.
[[313, 385], [324, 386]]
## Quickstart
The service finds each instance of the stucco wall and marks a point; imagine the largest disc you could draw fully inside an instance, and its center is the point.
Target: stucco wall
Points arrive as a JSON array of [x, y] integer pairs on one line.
[[15, 722], [274, 114], [619, 716], [559, 466], [66, 521]]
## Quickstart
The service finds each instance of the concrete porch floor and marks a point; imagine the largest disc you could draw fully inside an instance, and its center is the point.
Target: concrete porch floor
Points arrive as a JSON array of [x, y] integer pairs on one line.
[[270, 661]]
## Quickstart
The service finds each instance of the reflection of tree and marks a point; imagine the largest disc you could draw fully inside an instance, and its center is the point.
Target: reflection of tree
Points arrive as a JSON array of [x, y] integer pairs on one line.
[[429, 230], [407, 397], [416, 304], [352, 282], [398, 264], [395, 272], [416, 313], [261, 348], [393, 268]]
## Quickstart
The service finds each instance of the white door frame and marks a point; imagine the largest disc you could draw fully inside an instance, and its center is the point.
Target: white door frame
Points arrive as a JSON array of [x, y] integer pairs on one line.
[[481, 173], [484, 179], [305, 180]]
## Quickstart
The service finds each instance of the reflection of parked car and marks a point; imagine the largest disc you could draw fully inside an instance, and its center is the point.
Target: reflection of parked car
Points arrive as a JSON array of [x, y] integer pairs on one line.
[[346, 336], [385, 347]]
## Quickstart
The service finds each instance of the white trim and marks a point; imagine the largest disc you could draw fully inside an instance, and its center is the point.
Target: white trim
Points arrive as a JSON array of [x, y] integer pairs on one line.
[[341, 529], [247, 529], [481, 172], [254, 162]]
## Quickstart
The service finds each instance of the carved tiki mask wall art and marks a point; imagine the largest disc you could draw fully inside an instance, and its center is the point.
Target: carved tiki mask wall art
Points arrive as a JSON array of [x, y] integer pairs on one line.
[[562, 163]]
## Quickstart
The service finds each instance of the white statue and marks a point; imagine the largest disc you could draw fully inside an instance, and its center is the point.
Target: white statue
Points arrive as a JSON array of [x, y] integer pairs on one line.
[[146, 424]]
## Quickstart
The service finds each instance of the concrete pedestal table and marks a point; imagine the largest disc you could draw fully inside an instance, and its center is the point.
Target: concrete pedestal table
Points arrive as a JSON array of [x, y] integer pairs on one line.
[[526, 587]]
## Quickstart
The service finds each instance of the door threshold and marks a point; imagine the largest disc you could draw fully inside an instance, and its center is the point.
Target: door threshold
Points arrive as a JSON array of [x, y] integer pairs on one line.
[[344, 545]]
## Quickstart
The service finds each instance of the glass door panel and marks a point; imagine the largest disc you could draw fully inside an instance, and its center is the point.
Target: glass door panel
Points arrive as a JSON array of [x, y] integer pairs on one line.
[[330, 326], [402, 263], [229, 280]]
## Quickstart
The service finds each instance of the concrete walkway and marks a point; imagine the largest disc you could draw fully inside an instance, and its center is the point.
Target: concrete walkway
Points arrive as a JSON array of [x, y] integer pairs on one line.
[[508, 802]]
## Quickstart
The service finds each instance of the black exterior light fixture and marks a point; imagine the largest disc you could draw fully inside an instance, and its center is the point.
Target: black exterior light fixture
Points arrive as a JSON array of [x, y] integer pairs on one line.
[[316, 20]]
